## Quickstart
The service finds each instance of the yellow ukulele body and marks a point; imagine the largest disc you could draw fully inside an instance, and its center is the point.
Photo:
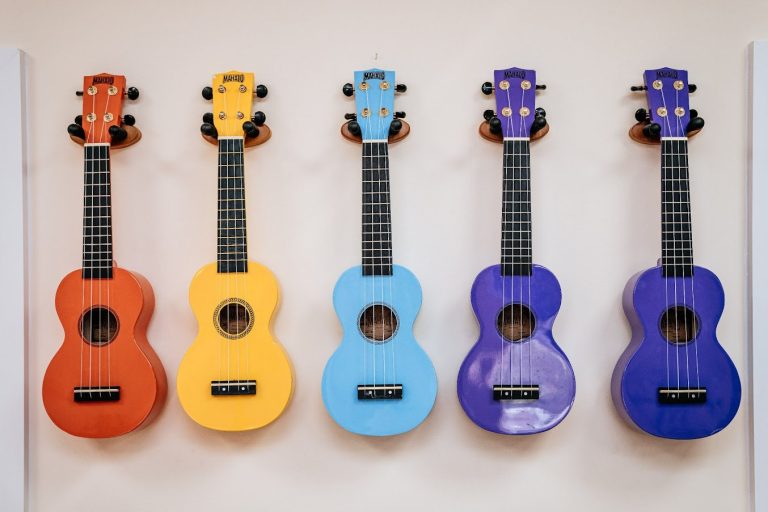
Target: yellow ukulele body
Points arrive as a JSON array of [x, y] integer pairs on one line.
[[235, 376]]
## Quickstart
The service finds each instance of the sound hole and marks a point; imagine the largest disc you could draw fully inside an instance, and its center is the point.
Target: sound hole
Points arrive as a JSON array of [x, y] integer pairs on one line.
[[234, 318], [98, 326], [679, 324], [516, 322], [378, 323]]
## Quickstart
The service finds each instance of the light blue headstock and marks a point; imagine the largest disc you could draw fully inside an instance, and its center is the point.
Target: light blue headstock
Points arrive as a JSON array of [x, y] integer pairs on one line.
[[374, 103]]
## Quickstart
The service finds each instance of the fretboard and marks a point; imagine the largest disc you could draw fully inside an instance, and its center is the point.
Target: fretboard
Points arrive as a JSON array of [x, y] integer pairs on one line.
[[676, 240], [97, 213], [377, 227], [516, 258], [232, 249]]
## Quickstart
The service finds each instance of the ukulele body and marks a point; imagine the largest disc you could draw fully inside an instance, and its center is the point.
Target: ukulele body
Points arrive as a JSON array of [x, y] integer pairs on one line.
[[218, 356], [127, 361], [642, 370], [358, 361], [535, 360]]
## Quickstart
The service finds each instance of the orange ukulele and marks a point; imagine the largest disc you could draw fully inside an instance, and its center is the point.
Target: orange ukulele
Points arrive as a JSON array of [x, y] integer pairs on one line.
[[105, 380]]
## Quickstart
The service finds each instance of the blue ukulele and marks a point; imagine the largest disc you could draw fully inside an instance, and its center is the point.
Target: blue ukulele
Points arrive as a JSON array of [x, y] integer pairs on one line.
[[379, 382]]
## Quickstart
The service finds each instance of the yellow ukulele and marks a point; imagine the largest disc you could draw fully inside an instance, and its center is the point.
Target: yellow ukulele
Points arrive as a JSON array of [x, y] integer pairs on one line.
[[235, 376]]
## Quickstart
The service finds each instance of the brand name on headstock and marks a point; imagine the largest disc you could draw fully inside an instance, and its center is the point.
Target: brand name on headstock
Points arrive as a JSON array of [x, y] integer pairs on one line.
[[109, 80], [666, 73], [514, 73], [233, 78], [373, 75]]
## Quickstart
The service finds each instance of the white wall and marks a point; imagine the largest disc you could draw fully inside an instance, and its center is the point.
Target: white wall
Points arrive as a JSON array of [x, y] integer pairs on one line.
[[596, 223]]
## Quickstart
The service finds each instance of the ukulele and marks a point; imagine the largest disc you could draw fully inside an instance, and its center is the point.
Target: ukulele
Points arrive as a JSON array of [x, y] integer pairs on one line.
[[674, 380], [379, 381], [105, 380], [516, 379], [235, 376]]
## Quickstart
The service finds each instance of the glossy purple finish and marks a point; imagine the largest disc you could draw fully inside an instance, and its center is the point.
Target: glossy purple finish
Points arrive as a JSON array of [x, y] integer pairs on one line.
[[536, 360], [650, 362], [515, 100], [667, 93]]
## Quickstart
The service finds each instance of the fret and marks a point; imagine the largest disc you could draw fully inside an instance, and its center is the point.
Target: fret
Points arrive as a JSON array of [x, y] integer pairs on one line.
[[231, 244], [676, 232], [516, 243]]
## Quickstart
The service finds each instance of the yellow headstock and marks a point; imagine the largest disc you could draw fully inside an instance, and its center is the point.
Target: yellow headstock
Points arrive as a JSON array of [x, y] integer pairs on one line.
[[232, 102]]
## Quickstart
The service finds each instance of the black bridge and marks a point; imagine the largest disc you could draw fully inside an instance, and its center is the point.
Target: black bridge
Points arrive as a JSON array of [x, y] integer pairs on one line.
[[380, 392], [233, 387], [504, 392], [682, 395], [97, 393]]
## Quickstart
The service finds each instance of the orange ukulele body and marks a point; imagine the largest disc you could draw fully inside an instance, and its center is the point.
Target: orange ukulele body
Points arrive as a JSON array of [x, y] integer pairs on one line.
[[105, 380], [127, 361]]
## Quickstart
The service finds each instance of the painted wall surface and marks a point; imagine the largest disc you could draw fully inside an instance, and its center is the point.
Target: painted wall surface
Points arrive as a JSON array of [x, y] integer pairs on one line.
[[596, 212]]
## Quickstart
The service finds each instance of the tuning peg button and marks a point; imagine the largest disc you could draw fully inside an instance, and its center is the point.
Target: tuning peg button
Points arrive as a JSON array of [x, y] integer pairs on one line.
[[76, 131], [250, 129], [641, 115], [118, 133], [395, 126], [494, 124], [487, 88], [132, 93], [538, 123], [261, 91], [79, 120], [694, 113], [129, 120], [488, 114], [209, 130], [638, 88], [540, 112], [354, 128], [208, 93], [652, 130], [399, 115], [348, 89], [259, 118], [401, 88], [541, 87], [692, 87], [78, 93], [208, 117], [351, 116], [697, 123]]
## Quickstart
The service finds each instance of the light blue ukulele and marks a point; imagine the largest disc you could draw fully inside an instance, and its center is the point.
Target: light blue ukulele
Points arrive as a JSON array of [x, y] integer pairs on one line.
[[379, 382]]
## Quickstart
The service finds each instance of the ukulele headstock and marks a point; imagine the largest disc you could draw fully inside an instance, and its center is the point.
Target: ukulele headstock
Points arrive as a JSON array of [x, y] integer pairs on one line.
[[102, 120], [232, 93], [668, 113], [374, 118], [516, 115]]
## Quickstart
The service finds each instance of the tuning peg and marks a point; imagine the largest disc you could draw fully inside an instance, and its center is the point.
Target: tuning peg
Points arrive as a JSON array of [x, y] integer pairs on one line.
[[259, 118], [540, 112], [354, 128], [541, 87], [129, 120], [395, 126], [638, 88], [79, 120], [494, 124], [350, 117], [692, 87], [132, 93], [538, 123], [641, 115], [208, 93], [118, 133], [76, 131], [78, 93], [250, 129], [348, 89], [697, 123], [652, 130], [488, 114], [399, 115], [487, 88], [208, 117], [694, 113], [209, 130], [261, 91], [401, 88]]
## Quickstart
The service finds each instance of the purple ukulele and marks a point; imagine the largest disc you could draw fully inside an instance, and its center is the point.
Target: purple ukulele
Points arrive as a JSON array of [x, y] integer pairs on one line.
[[674, 380], [516, 380]]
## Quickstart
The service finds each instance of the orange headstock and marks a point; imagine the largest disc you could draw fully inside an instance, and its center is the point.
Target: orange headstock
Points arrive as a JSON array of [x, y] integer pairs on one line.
[[102, 121]]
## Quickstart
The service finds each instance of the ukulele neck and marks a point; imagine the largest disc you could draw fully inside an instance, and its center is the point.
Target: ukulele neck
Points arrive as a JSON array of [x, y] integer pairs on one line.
[[516, 258], [676, 239], [97, 213], [232, 247], [377, 226]]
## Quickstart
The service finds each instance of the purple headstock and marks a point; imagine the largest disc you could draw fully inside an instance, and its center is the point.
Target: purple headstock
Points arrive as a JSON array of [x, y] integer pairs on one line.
[[515, 100], [667, 92]]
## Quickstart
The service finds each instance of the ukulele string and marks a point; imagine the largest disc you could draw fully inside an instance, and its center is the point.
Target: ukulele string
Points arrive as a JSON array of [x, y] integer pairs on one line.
[[528, 249], [522, 253], [243, 238], [104, 190], [229, 215], [505, 256], [390, 259], [238, 169]]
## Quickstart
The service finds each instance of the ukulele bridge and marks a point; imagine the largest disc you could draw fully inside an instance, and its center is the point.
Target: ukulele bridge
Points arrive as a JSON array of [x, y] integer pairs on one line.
[[504, 392], [380, 392], [682, 395], [97, 393], [233, 387]]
